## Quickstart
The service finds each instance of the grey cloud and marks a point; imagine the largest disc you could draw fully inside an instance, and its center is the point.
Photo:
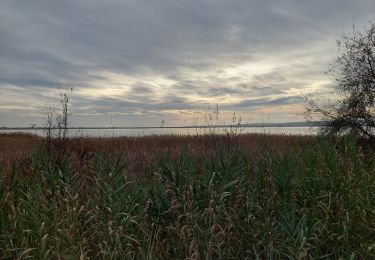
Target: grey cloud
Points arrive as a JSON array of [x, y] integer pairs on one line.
[[266, 90], [142, 89], [243, 90], [22, 81], [127, 35], [108, 105], [141, 93], [249, 103], [275, 76], [42, 41]]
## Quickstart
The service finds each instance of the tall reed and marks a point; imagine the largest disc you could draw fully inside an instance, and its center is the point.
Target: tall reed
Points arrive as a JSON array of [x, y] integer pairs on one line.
[[308, 203]]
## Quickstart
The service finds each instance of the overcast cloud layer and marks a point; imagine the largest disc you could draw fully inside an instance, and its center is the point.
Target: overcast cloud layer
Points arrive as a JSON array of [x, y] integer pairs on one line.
[[141, 62]]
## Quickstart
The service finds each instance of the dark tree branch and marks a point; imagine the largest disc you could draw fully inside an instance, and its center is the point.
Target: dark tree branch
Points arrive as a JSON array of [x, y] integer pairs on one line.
[[355, 76]]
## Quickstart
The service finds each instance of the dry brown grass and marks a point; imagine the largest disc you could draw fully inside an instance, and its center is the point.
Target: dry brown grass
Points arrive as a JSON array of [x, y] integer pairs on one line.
[[141, 153], [17, 148]]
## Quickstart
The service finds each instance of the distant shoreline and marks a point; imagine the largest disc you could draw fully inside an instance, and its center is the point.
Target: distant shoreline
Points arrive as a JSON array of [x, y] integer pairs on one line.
[[257, 125]]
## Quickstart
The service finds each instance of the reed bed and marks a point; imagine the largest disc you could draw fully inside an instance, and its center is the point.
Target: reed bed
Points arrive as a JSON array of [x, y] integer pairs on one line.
[[202, 197], [141, 153]]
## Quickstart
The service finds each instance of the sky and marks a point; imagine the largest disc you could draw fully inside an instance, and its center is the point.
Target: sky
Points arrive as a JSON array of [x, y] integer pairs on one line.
[[138, 62]]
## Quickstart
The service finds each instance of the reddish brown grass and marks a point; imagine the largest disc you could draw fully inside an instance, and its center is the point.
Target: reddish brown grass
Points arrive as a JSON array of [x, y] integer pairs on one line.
[[141, 153]]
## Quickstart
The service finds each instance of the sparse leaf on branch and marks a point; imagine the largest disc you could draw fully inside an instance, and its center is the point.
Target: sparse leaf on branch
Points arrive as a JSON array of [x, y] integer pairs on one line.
[[354, 75]]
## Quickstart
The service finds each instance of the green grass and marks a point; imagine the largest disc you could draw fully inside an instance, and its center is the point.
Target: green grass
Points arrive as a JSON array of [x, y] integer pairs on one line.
[[316, 203]]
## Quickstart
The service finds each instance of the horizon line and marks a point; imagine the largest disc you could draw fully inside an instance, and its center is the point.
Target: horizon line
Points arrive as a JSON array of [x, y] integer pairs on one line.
[[286, 124]]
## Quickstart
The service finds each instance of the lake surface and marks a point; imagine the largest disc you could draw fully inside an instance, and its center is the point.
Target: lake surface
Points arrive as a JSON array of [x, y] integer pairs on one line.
[[176, 131]]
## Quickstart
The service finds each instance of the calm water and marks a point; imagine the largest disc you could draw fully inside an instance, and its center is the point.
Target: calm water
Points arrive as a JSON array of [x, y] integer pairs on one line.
[[178, 131]]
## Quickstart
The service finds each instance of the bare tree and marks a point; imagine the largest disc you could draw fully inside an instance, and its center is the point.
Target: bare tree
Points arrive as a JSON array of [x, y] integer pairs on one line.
[[63, 117], [49, 123], [58, 116], [353, 112]]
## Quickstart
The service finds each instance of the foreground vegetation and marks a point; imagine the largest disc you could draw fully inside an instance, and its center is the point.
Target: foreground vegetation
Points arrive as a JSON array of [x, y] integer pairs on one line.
[[212, 198]]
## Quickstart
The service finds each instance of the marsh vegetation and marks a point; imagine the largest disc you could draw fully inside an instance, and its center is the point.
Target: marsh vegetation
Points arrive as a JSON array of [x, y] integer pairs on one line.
[[176, 197]]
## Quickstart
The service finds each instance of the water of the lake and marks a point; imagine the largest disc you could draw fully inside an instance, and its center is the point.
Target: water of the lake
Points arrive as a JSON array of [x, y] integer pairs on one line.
[[177, 131]]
